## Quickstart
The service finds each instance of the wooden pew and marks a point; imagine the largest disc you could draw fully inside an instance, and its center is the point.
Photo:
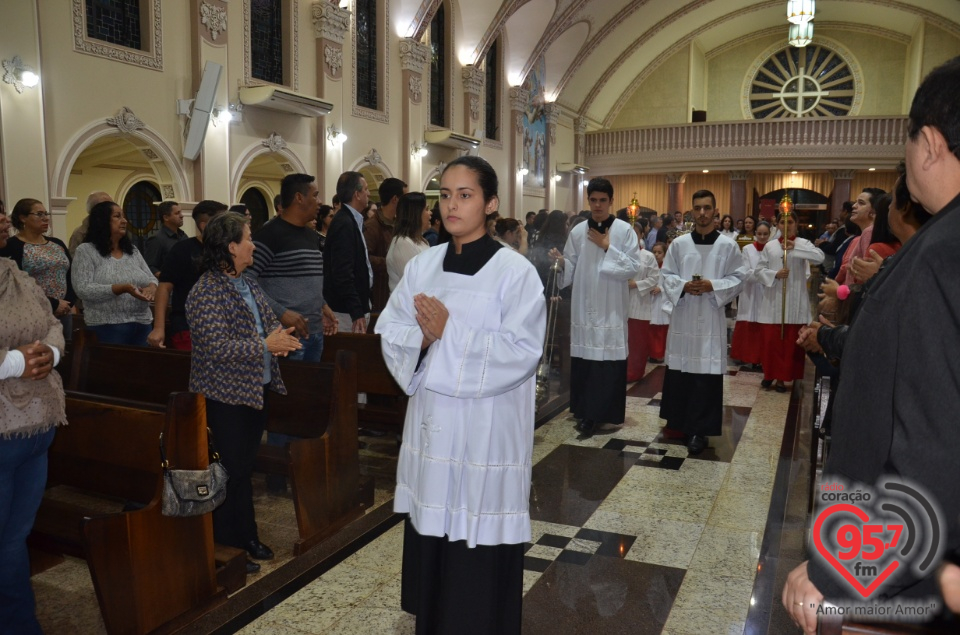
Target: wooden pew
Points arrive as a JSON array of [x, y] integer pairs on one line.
[[320, 407], [151, 573], [386, 404]]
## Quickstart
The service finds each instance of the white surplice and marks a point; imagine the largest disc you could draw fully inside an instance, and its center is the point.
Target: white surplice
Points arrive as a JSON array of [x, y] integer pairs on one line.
[[465, 464], [641, 302], [798, 300], [697, 340], [598, 314], [662, 307], [751, 294]]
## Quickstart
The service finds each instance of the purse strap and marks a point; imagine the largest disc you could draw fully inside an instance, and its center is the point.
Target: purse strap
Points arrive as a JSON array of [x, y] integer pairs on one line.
[[214, 456]]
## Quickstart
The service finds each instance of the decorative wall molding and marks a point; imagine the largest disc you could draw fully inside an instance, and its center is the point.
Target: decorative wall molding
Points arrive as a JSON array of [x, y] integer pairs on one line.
[[473, 80], [580, 125], [275, 143], [257, 149], [166, 191], [294, 81], [740, 175], [126, 121], [842, 174], [519, 97], [414, 55], [333, 59], [330, 22], [474, 107], [373, 157], [152, 38], [214, 18], [676, 177], [810, 143], [415, 85], [552, 112]]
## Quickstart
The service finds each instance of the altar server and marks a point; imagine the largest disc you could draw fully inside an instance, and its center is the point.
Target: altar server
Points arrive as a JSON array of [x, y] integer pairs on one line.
[[660, 311], [746, 345], [702, 272], [639, 313], [782, 357], [600, 256], [463, 334]]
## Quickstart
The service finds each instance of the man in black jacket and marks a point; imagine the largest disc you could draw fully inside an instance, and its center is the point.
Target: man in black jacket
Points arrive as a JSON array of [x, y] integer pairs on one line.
[[899, 418], [347, 274]]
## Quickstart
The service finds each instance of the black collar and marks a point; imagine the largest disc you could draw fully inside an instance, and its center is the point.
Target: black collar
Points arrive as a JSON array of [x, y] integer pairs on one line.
[[472, 257], [709, 239], [601, 227]]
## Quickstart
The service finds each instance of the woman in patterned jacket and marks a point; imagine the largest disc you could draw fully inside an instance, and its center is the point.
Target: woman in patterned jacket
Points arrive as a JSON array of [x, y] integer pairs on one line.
[[236, 340]]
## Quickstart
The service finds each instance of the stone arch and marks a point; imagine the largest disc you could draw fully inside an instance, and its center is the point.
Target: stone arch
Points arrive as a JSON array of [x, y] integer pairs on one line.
[[162, 160], [291, 165]]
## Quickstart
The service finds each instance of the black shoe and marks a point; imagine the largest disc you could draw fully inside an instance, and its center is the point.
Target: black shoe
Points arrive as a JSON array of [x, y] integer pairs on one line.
[[766, 383], [587, 428], [696, 444], [259, 551], [252, 567], [781, 388]]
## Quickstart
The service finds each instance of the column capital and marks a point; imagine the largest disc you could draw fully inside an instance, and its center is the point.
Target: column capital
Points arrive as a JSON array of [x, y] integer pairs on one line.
[[519, 97], [413, 55], [473, 79], [843, 174], [740, 175], [552, 112], [330, 22], [676, 177], [580, 125]]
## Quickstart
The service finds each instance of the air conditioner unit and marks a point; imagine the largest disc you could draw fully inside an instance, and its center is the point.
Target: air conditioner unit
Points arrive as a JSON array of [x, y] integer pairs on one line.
[[276, 98], [572, 167], [451, 139]]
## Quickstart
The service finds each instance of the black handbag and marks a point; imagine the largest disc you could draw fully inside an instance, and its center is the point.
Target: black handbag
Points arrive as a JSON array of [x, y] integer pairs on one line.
[[193, 492]]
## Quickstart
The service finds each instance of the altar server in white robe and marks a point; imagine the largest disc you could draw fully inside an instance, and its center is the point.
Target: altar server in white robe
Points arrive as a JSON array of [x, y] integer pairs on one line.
[[659, 312], [747, 342], [782, 357], [639, 314], [600, 256], [462, 334], [702, 272]]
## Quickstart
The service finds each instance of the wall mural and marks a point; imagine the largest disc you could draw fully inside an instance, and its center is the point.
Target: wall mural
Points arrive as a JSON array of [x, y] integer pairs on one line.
[[535, 128]]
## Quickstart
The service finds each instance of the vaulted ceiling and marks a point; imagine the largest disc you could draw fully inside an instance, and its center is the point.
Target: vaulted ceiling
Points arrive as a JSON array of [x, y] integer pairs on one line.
[[597, 52]]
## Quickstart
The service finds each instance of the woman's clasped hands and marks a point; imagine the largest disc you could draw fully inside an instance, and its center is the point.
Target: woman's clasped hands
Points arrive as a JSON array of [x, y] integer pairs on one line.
[[431, 316], [282, 341]]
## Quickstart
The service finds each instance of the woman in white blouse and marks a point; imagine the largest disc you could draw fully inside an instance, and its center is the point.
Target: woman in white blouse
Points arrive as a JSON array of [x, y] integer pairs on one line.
[[413, 218]]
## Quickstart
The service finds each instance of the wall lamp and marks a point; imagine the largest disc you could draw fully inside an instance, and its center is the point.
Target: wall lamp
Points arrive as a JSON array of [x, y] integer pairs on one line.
[[231, 114], [418, 149], [523, 170], [335, 136], [20, 75]]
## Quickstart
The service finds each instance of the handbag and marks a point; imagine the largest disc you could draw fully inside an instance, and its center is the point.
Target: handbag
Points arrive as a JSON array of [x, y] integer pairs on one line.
[[193, 492]]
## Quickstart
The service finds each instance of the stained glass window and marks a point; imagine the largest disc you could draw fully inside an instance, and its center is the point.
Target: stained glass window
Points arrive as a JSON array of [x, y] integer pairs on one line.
[[492, 95], [367, 60], [812, 81], [114, 21], [438, 67], [266, 40]]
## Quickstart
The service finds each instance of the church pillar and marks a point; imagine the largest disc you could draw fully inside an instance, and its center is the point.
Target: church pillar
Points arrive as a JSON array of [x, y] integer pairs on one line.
[[577, 187], [473, 81], [331, 24], [413, 60], [842, 180], [552, 111], [675, 200], [738, 194], [211, 170], [519, 97]]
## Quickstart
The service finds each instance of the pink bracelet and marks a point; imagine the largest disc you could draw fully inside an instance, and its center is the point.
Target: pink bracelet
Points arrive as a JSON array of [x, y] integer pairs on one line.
[[843, 292]]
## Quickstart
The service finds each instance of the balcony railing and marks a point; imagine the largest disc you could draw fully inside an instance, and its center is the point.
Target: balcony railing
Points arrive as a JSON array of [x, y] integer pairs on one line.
[[823, 142]]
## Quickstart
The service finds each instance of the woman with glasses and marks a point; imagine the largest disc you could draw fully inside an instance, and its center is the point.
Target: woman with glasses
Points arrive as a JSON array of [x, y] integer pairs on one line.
[[45, 258]]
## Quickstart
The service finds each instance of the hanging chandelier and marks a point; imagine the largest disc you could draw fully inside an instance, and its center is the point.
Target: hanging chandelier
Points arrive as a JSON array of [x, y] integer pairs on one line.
[[800, 11], [801, 34]]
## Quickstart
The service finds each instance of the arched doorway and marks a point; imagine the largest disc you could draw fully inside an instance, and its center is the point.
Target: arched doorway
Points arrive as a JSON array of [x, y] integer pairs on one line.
[[374, 176], [139, 206], [258, 207]]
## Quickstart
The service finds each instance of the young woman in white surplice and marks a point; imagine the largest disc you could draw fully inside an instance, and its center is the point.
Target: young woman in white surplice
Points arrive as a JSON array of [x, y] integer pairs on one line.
[[463, 333]]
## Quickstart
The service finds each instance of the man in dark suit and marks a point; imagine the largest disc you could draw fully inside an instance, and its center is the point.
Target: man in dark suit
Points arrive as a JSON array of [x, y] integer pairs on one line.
[[347, 274]]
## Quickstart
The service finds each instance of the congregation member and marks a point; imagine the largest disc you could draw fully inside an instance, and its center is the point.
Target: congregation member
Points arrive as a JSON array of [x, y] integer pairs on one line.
[[782, 359], [463, 334], [432, 235], [378, 232], [747, 233], [553, 235], [655, 224], [747, 343], [510, 233], [702, 272], [600, 256], [113, 280], [347, 273], [640, 312], [660, 311], [181, 270], [45, 258], [899, 416], [236, 340], [31, 407], [413, 217], [79, 235], [727, 228], [169, 234], [288, 266], [324, 217], [862, 217]]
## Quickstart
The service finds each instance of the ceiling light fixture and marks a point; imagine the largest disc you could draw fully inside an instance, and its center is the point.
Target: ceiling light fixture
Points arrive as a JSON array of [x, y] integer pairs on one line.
[[800, 11], [801, 34]]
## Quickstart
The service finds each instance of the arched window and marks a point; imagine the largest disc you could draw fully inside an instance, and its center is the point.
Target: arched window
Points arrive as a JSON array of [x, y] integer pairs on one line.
[[139, 206], [813, 81], [115, 21], [438, 68], [491, 99], [368, 55]]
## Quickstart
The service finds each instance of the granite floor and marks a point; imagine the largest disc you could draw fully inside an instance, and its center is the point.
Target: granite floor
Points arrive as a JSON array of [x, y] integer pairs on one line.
[[630, 535]]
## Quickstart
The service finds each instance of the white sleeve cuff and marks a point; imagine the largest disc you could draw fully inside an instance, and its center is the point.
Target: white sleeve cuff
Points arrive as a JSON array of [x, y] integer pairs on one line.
[[13, 365]]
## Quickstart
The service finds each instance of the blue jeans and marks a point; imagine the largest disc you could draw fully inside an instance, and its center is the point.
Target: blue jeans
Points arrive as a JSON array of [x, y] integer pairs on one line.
[[23, 477], [311, 352], [128, 333]]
